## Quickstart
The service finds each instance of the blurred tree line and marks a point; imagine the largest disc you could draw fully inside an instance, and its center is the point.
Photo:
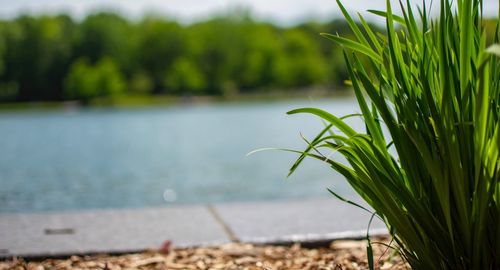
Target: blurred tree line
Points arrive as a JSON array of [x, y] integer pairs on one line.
[[53, 58], [46, 58]]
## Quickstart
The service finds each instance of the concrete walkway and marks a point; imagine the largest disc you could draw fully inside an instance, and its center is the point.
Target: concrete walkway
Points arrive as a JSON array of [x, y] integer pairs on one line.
[[117, 231]]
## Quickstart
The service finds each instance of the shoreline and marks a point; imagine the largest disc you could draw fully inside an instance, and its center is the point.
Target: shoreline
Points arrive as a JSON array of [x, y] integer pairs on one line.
[[144, 101]]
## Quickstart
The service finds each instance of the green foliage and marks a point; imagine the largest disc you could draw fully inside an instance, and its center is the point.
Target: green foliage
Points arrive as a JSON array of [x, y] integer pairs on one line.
[[224, 55], [106, 35], [160, 44], [218, 52], [86, 81], [433, 85], [2, 47], [259, 57], [184, 77], [8, 91], [37, 54], [301, 63], [140, 83]]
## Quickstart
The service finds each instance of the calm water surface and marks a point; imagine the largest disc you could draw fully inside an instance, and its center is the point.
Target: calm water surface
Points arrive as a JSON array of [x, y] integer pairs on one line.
[[122, 158]]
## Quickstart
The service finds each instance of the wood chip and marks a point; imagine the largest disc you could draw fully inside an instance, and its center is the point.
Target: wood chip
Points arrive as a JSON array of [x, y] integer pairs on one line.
[[341, 255], [346, 244], [147, 261]]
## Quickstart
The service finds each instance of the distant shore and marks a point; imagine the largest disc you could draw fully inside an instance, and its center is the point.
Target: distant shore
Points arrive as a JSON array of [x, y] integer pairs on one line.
[[134, 101]]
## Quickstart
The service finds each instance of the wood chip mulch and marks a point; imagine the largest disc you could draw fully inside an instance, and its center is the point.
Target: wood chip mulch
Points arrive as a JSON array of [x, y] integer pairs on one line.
[[340, 255]]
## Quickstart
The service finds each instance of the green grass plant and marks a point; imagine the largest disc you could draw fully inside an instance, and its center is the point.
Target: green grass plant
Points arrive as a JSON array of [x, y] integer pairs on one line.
[[433, 83]]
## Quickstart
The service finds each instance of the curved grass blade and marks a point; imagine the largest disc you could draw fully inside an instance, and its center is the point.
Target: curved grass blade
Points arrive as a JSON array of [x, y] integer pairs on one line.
[[335, 121], [355, 46], [349, 202], [383, 14], [310, 146]]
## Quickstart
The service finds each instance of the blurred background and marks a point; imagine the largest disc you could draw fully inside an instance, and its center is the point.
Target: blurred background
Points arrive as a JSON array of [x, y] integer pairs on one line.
[[118, 104]]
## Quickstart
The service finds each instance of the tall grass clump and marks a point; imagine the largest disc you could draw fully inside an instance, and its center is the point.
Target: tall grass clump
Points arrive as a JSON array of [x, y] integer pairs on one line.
[[433, 177]]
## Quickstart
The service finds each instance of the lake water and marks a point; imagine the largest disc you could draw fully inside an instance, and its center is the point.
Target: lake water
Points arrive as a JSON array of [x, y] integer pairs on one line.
[[127, 158]]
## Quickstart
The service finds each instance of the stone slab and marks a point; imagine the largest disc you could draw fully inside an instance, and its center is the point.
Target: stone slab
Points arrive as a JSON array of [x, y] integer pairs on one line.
[[50, 234], [297, 221], [118, 231]]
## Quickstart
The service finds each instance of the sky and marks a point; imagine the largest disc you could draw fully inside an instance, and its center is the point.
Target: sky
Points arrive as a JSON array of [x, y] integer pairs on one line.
[[278, 11]]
